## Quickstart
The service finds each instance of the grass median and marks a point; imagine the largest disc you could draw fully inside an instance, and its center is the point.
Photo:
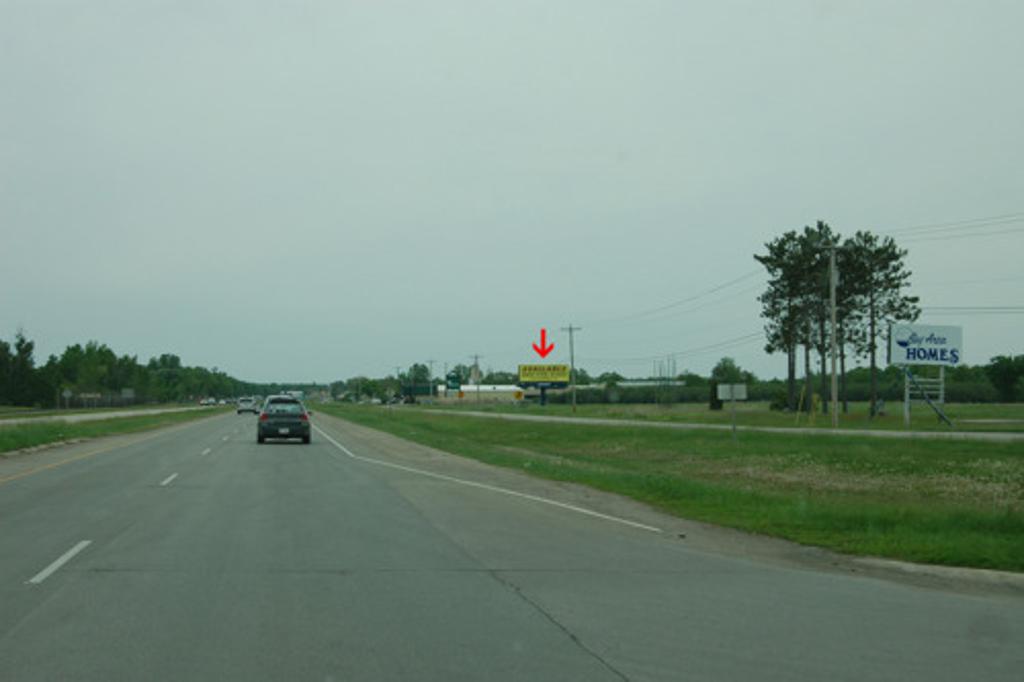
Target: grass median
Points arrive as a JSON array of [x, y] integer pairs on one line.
[[20, 436], [942, 502], [965, 416]]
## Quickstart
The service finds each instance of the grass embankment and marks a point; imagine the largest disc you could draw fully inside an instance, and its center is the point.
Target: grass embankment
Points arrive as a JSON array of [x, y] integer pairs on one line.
[[942, 502], [18, 436], [1005, 417], [32, 413]]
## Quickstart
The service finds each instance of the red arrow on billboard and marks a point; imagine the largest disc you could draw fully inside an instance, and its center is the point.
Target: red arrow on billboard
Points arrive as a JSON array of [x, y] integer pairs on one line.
[[544, 348]]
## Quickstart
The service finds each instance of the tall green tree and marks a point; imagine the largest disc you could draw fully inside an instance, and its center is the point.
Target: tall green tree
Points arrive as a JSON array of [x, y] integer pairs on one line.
[[815, 244], [6, 360], [22, 386], [884, 279], [1005, 373], [781, 304], [795, 304]]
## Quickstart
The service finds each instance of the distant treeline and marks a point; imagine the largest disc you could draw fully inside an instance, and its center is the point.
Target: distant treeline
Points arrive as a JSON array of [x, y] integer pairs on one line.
[[95, 371], [963, 385], [1002, 380]]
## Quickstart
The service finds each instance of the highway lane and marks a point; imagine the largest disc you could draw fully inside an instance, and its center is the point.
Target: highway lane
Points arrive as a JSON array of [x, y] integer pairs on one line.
[[211, 557]]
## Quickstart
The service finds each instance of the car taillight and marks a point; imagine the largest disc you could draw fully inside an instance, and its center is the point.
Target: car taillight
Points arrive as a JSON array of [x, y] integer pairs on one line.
[[304, 417], [264, 417]]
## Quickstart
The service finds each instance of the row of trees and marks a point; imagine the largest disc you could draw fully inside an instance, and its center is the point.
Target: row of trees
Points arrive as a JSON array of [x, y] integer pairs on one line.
[[871, 294], [1000, 380], [94, 368]]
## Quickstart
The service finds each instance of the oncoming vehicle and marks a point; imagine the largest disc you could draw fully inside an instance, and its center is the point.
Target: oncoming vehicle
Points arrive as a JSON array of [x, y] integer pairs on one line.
[[247, 404], [283, 417]]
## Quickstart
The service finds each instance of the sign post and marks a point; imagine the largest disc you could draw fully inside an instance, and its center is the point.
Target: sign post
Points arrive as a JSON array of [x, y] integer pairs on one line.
[[732, 393]]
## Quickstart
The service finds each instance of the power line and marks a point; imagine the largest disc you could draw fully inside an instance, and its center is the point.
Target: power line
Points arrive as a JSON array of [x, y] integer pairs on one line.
[[959, 282], [975, 307], [915, 239], [676, 303], [709, 348], [966, 223], [967, 310]]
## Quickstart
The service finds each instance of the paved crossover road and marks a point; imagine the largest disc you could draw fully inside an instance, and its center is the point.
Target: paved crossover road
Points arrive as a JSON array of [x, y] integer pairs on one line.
[[196, 554], [75, 417]]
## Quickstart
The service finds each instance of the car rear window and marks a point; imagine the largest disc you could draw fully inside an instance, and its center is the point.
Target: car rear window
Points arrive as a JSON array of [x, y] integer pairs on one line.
[[284, 407]]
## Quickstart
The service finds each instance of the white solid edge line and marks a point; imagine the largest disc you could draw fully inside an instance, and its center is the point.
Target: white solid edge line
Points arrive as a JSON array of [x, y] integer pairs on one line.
[[167, 480], [205, 452], [64, 558], [492, 488]]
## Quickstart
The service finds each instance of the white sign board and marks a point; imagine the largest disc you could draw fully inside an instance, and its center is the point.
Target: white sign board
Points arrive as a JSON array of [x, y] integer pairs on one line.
[[925, 344], [732, 391]]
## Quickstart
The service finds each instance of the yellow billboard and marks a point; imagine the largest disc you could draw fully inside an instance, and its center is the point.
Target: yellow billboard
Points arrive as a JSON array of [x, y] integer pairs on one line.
[[543, 374]]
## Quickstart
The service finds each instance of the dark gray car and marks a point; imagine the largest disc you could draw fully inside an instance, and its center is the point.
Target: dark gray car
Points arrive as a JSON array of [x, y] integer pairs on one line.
[[283, 416]]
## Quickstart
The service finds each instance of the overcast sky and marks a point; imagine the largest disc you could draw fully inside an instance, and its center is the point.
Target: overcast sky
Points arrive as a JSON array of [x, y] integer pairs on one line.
[[311, 190]]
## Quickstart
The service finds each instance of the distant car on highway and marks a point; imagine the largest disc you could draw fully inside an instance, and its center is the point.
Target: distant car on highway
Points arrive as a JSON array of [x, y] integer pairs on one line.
[[283, 416], [247, 404]]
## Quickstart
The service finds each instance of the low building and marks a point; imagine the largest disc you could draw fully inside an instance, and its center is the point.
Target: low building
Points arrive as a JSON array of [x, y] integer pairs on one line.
[[491, 393]]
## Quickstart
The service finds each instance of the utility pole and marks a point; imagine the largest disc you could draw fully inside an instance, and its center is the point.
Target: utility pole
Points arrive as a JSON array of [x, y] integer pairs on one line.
[[479, 377], [833, 278], [430, 377], [398, 378], [572, 362]]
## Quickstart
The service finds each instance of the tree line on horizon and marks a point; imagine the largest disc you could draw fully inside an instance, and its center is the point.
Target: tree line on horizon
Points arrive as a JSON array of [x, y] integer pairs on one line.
[[95, 369], [1000, 380]]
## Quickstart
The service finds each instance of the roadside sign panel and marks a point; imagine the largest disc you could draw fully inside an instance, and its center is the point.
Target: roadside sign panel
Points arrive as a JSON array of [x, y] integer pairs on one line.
[[550, 375], [925, 344], [732, 391]]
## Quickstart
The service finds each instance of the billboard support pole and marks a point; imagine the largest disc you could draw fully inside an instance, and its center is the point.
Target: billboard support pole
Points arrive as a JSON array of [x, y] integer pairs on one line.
[[906, 398], [906, 410], [732, 393]]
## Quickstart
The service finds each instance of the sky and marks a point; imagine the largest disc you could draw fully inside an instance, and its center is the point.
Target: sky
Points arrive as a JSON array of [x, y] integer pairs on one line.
[[307, 191]]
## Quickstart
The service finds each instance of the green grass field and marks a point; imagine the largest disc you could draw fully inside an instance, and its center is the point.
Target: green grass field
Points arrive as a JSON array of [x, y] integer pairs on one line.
[[1007, 417], [18, 436], [942, 502]]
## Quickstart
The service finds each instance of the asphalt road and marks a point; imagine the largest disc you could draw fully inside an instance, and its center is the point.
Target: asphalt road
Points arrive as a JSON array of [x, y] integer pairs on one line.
[[196, 554]]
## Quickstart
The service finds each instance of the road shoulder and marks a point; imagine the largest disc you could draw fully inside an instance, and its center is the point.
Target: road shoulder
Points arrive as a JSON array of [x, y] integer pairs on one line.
[[701, 537]]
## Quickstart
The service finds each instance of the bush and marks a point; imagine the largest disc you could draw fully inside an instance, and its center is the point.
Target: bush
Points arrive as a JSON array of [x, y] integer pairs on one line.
[[779, 401], [713, 402]]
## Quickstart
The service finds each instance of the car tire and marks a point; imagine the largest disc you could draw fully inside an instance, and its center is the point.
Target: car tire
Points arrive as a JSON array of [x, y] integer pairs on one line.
[[305, 440], [260, 439]]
